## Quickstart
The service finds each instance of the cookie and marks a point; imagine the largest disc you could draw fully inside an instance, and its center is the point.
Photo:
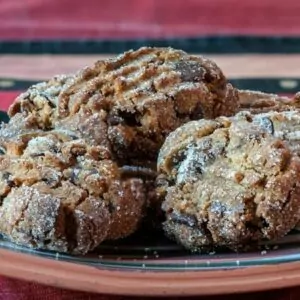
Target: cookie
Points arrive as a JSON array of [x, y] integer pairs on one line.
[[60, 193], [258, 102], [141, 96], [228, 182], [284, 125], [79, 149]]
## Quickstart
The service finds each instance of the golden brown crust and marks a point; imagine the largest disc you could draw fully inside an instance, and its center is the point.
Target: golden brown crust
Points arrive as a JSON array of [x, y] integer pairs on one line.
[[229, 183]]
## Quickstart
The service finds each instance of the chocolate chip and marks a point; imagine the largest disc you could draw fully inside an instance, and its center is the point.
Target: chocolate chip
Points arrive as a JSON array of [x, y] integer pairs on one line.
[[137, 171], [6, 175], [37, 154], [54, 149], [50, 181], [2, 151], [190, 70], [184, 219], [122, 117], [197, 112], [264, 223], [265, 124], [93, 171], [111, 207], [73, 136], [129, 118], [114, 120], [48, 100], [209, 77], [74, 175], [10, 183]]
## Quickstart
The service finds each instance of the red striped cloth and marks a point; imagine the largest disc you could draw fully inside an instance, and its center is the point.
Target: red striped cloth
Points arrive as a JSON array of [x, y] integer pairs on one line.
[[6, 98], [148, 18]]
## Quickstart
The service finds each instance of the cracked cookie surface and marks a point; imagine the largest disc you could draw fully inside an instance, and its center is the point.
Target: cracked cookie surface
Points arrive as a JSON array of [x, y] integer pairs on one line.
[[228, 182]]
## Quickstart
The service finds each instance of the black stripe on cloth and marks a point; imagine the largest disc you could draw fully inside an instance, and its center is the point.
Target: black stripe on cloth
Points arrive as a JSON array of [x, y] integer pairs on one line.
[[204, 44]]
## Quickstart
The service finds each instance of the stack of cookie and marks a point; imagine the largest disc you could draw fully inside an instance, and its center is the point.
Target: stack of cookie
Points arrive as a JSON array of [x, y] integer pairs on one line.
[[85, 156]]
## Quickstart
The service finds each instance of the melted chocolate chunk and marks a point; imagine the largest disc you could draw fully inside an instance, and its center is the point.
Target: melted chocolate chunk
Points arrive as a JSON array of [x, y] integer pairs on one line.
[[190, 70]]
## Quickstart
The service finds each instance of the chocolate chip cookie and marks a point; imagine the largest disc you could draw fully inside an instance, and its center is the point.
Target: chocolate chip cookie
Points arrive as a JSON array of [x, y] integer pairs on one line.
[[258, 102], [141, 96], [60, 193], [284, 125], [228, 182]]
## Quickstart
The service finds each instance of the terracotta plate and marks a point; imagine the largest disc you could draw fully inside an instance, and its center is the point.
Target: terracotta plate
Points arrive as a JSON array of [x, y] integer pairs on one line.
[[143, 265]]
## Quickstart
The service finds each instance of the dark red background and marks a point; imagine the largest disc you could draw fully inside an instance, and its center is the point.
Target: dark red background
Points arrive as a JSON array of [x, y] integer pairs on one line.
[[23, 19], [6, 99]]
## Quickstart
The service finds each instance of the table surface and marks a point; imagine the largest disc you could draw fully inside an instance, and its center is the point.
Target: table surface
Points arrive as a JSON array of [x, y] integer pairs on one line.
[[12, 289]]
